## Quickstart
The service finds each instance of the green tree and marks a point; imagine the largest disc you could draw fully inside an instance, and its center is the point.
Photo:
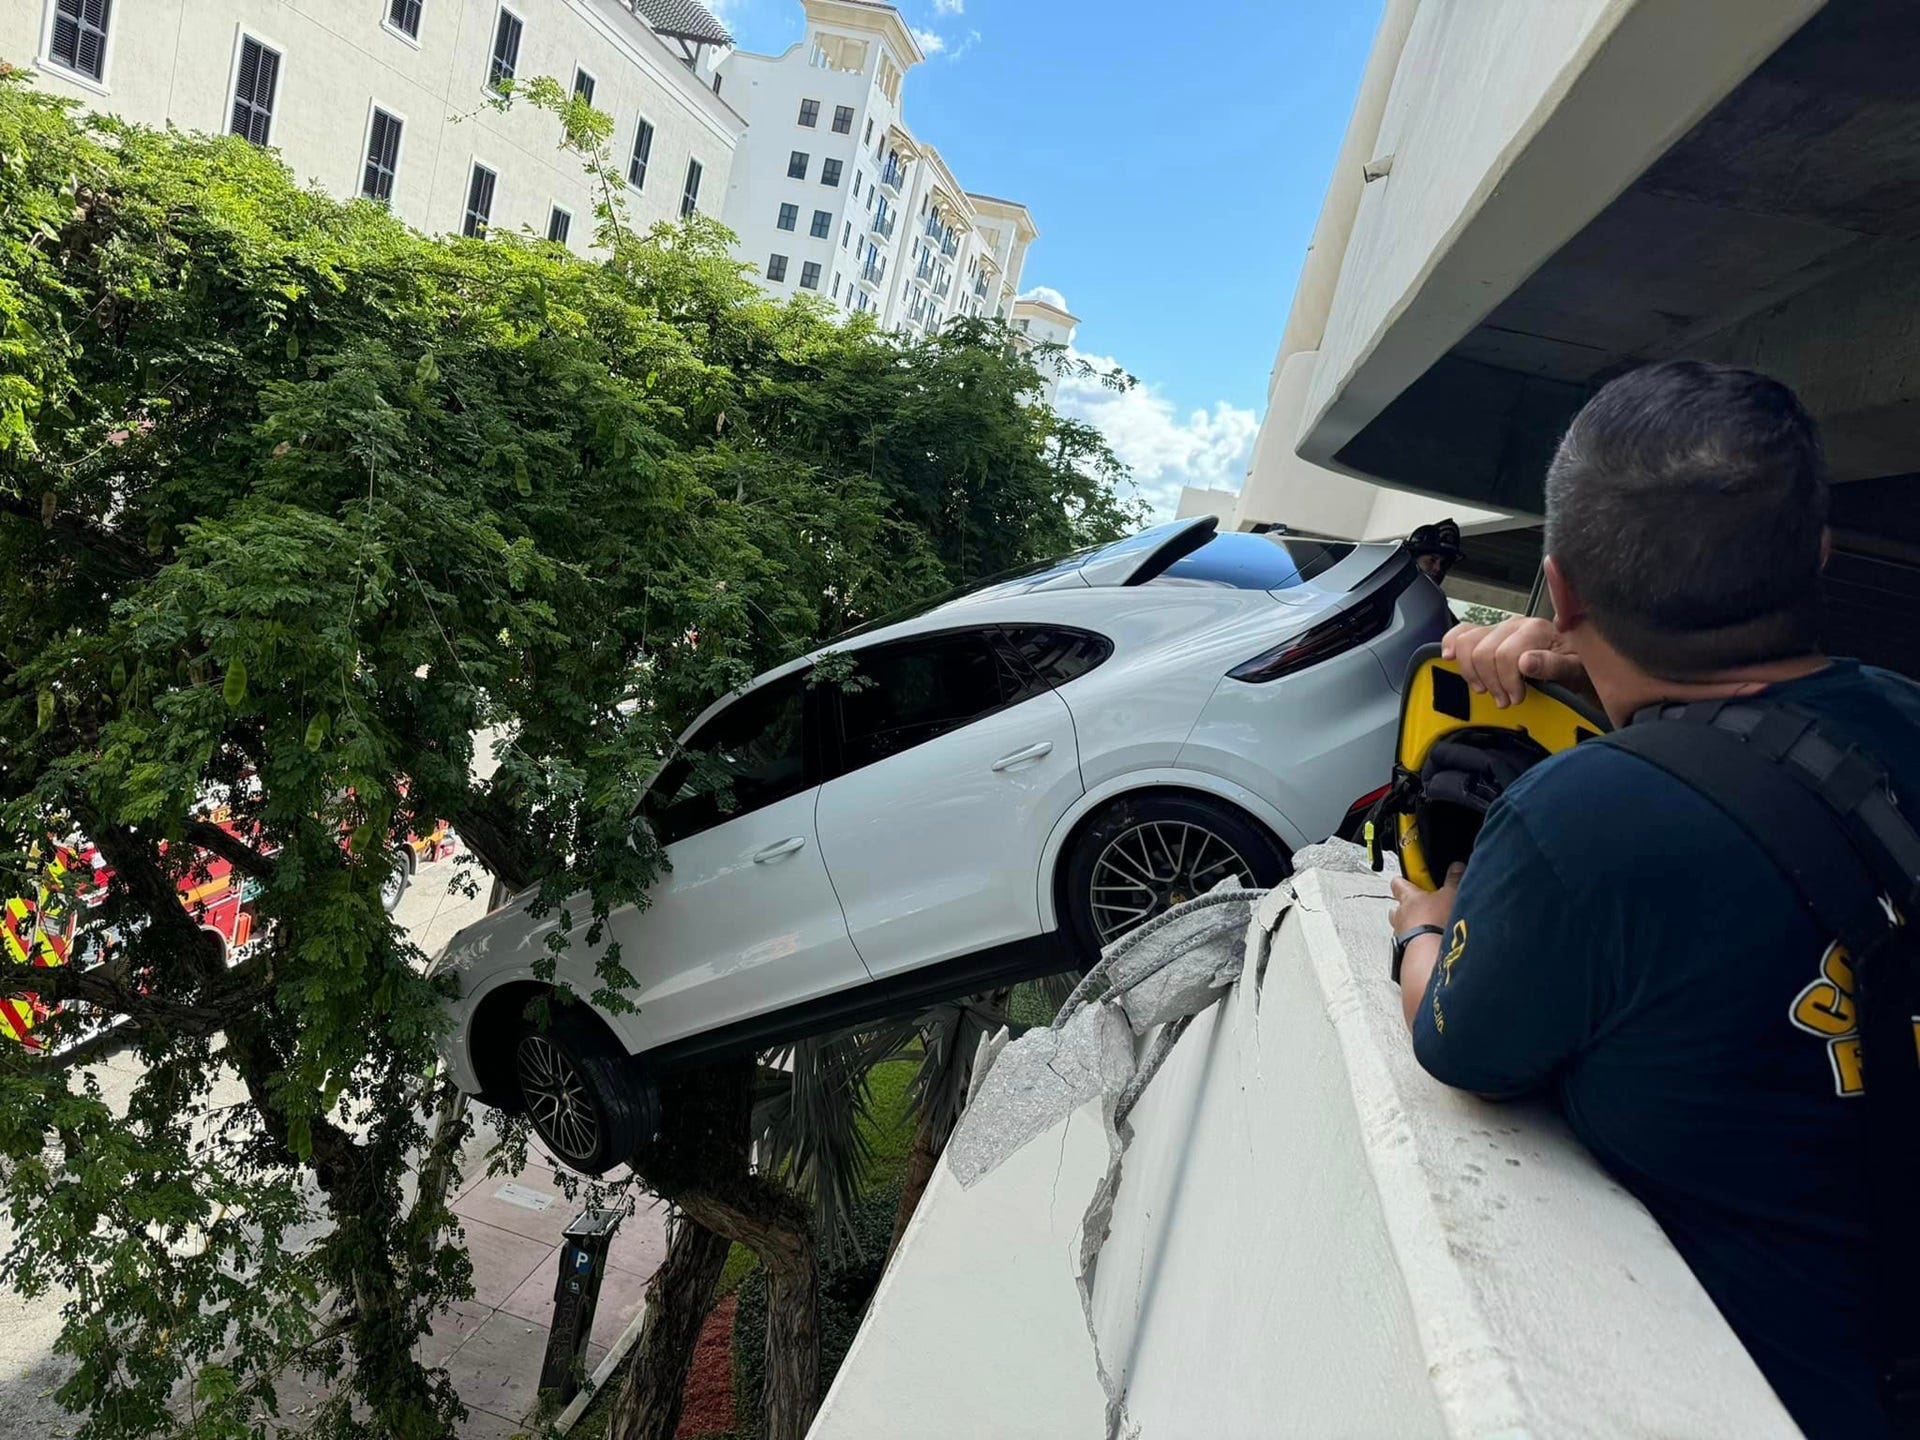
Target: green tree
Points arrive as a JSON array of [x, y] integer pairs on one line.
[[294, 504]]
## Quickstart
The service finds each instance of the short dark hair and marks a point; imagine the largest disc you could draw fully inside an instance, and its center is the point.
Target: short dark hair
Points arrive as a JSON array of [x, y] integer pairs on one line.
[[1687, 504]]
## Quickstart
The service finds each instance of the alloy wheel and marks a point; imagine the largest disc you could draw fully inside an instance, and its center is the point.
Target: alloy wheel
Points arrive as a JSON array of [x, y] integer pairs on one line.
[[557, 1098], [1153, 866]]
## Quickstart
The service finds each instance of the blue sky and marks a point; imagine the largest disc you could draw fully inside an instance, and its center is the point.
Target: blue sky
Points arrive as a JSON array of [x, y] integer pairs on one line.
[[1174, 156]]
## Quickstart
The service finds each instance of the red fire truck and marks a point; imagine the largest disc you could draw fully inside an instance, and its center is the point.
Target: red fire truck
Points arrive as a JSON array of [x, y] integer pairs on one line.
[[58, 926]]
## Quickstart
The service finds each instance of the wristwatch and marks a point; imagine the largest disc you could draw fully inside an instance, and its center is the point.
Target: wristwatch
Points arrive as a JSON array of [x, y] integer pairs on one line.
[[1406, 938]]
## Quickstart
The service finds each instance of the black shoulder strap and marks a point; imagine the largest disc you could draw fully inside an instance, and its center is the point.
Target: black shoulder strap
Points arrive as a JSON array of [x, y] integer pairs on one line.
[[1826, 816]]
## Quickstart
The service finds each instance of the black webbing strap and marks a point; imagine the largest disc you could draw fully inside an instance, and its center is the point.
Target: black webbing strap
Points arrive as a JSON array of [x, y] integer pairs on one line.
[[1827, 818]]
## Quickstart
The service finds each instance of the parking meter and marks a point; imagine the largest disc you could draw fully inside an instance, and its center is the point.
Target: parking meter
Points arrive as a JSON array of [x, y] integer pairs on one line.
[[576, 1293]]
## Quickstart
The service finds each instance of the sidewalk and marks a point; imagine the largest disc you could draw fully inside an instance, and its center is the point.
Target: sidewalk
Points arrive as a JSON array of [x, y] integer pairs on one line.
[[493, 1344]]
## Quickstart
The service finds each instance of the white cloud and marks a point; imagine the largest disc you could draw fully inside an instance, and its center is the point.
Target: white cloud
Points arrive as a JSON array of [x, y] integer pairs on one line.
[[950, 7], [1164, 449], [1047, 295], [934, 43]]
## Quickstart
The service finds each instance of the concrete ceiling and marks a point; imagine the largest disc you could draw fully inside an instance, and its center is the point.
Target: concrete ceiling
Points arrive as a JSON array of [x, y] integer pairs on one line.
[[1782, 231]]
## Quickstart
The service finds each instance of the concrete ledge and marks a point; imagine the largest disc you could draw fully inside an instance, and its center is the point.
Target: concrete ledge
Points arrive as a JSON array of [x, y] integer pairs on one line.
[[1295, 1232]]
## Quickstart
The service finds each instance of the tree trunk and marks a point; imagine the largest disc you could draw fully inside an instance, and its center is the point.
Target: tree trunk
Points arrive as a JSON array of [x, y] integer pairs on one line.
[[793, 1342], [647, 1406], [921, 1159], [699, 1162]]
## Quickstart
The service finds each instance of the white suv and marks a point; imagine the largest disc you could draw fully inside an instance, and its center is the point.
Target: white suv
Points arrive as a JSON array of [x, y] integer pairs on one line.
[[1017, 775]]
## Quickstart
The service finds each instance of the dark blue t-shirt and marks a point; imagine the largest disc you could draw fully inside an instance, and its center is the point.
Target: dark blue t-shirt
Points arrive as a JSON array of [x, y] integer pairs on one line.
[[1620, 941]]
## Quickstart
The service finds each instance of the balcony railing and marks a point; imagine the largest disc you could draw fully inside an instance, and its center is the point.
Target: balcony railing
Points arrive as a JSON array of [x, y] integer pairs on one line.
[[925, 272], [944, 285], [874, 271], [950, 246], [892, 177], [882, 224]]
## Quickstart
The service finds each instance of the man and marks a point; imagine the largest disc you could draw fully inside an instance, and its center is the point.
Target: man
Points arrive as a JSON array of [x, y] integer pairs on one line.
[[1618, 940], [1436, 548]]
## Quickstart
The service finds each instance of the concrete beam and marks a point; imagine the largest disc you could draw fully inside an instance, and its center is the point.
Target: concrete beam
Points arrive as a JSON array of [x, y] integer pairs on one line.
[[1571, 102]]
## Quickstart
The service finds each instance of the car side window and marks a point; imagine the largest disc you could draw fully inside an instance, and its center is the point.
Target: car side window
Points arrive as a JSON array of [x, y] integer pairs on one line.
[[750, 755], [917, 690], [1057, 653]]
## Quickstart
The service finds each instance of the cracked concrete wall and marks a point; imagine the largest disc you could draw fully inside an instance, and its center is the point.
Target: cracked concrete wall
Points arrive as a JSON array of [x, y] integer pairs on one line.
[[1295, 1232]]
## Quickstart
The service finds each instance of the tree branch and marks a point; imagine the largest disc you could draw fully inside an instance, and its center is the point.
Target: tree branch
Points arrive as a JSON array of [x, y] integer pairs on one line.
[[230, 848], [107, 544]]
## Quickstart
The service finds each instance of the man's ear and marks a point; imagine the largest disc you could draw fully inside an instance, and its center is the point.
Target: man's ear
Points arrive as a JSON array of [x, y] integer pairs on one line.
[[1569, 610]]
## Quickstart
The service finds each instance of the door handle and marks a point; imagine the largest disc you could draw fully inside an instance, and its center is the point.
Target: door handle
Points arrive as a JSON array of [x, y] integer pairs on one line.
[[780, 851], [1021, 757]]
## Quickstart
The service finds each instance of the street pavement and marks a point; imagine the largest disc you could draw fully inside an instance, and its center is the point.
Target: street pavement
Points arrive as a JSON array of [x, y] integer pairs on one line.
[[491, 1345]]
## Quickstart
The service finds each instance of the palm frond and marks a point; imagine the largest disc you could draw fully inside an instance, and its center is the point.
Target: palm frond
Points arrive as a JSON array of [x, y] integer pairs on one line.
[[809, 1129]]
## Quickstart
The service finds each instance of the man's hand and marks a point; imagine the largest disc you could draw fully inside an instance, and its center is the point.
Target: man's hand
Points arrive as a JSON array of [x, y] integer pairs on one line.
[[1498, 660], [1412, 907]]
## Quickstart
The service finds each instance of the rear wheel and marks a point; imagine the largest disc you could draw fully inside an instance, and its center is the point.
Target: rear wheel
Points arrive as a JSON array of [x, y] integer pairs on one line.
[[1146, 854], [581, 1092]]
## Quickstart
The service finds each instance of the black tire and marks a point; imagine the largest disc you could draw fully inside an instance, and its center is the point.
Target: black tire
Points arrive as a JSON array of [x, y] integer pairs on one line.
[[1140, 839], [582, 1092], [395, 885]]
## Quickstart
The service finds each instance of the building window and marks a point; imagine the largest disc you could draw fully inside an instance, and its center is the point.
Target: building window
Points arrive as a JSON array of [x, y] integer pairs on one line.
[[506, 50], [404, 16], [836, 286], [846, 234], [559, 225], [797, 165], [789, 216], [776, 267], [253, 90], [79, 40], [810, 113], [642, 152], [867, 139], [479, 202], [583, 84], [810, 275], [690, 195], [856, 184], [829, 172], [383, 156], [843, 119], [822, 224]]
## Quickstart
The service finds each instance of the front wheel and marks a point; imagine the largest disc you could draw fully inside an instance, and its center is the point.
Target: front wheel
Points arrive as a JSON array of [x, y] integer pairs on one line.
[[1145, 854], [581, 1093]]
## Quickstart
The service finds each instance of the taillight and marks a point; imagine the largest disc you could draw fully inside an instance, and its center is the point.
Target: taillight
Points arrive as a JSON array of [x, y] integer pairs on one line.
[[1367, 619]]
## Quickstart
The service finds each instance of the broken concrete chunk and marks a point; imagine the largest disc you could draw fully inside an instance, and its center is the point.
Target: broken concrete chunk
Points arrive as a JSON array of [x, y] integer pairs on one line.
[[1184, 966], [984, 1054], [1331, 855], [1037, 1081]]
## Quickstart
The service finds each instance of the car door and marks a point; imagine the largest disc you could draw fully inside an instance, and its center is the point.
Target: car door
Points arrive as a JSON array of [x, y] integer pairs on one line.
[[949, 766], [746, 921]]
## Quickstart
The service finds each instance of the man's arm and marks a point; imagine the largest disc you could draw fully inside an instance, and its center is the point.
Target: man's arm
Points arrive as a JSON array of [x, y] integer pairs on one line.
[[1518, 983], [1412, 908]]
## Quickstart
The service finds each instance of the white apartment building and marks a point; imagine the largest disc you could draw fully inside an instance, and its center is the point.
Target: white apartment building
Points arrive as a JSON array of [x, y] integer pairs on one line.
[[1045, 323], [831, 192], [389, 98]]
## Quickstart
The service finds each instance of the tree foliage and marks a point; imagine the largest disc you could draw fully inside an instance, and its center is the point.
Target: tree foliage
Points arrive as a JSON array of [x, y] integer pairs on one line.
[[294, 504]]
